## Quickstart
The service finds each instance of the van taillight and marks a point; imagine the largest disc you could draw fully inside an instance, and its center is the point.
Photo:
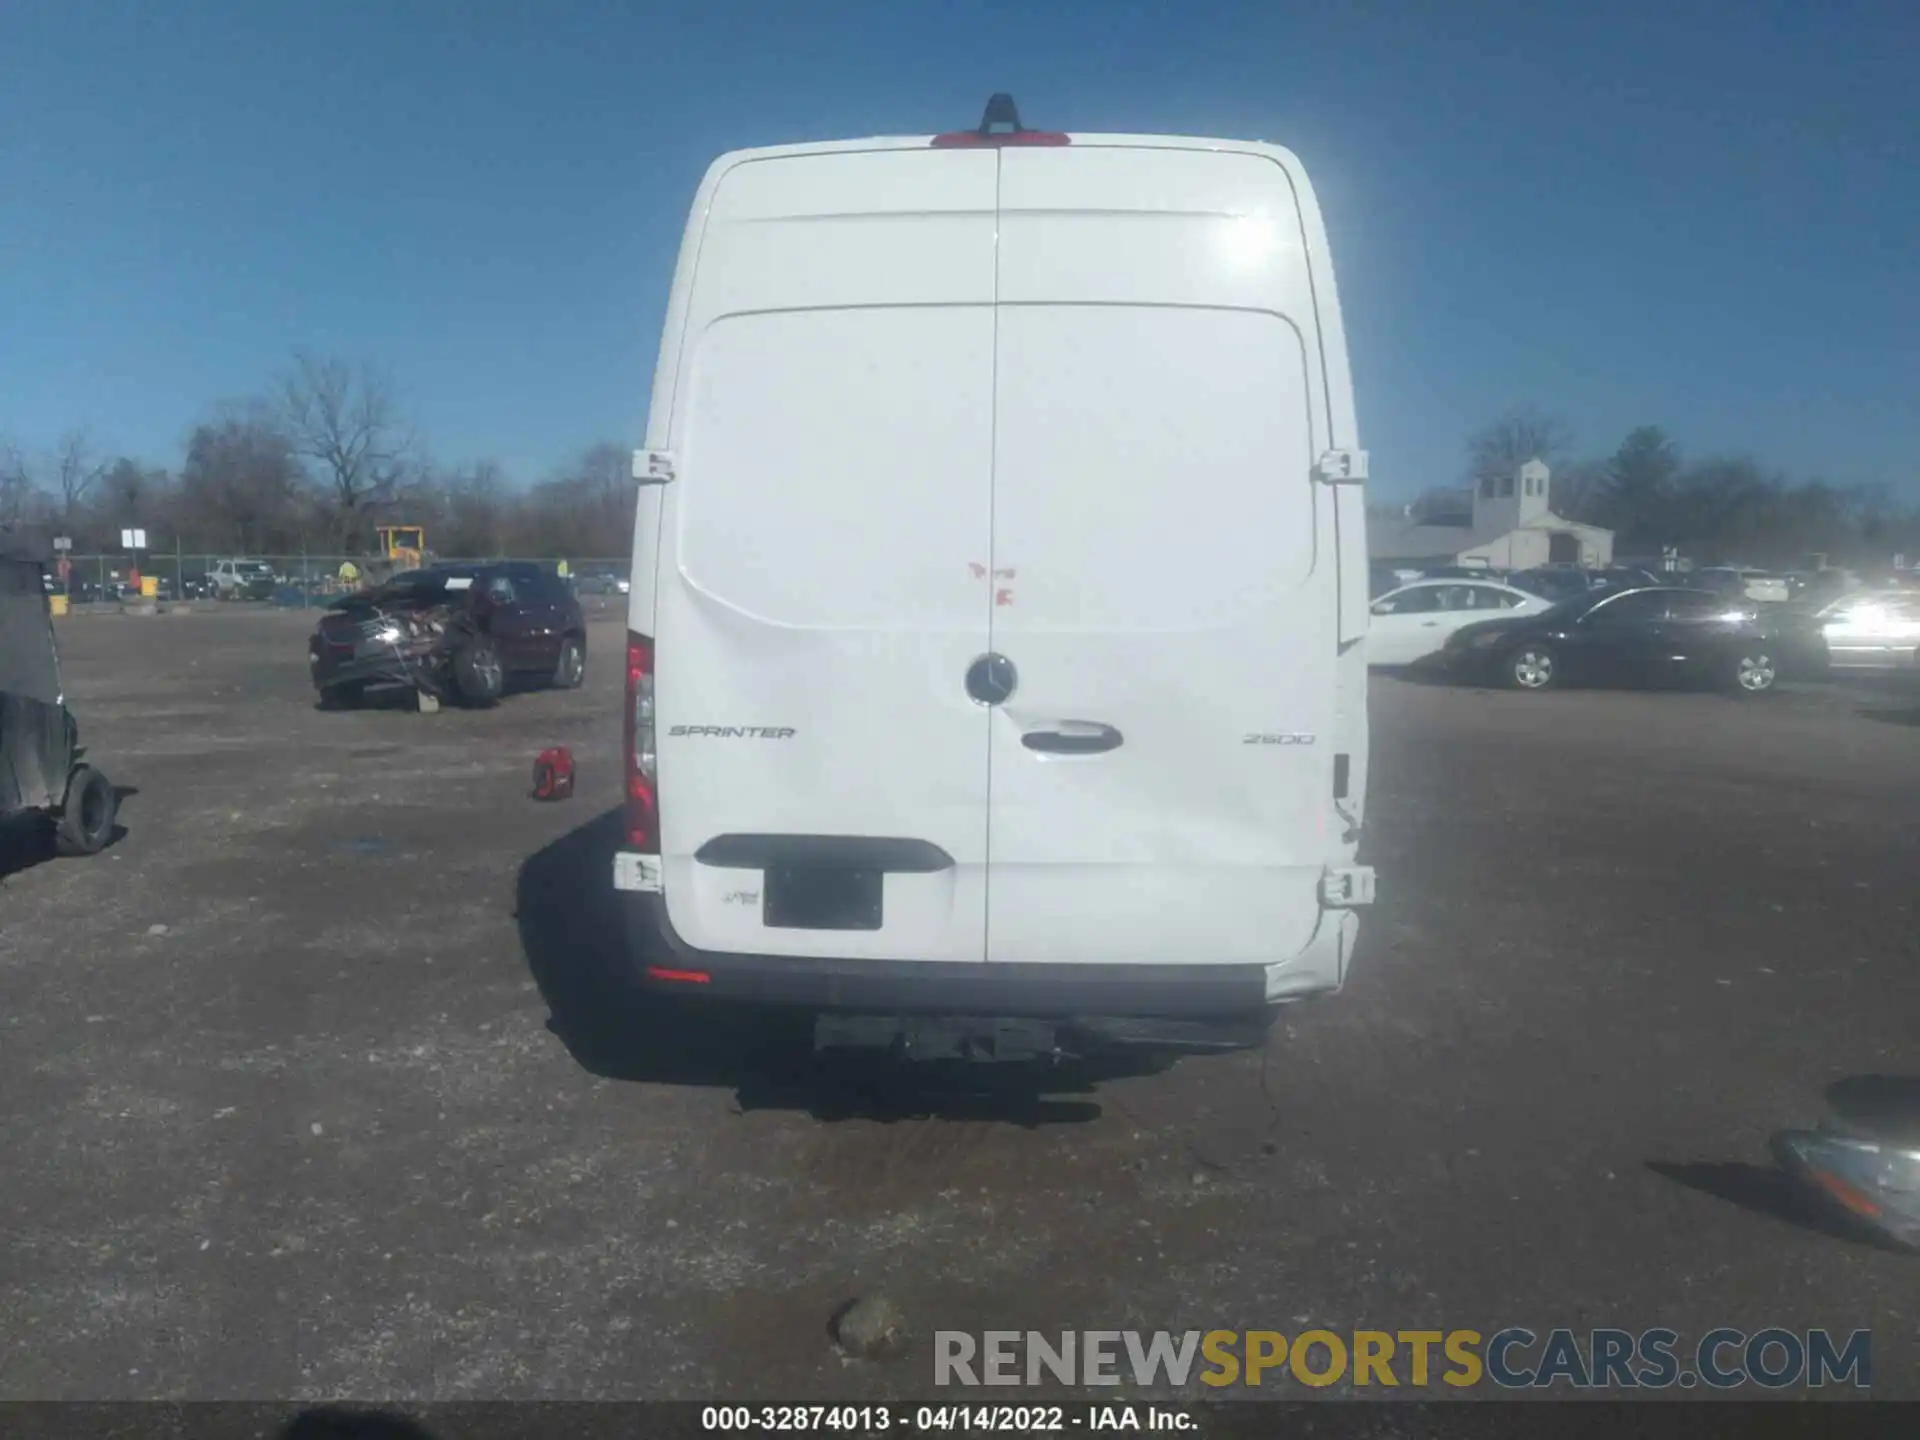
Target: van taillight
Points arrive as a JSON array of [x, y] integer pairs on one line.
[[643, 796]]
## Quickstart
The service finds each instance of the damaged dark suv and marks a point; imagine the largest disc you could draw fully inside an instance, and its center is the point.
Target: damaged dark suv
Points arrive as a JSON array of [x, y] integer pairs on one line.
[[456, 633]]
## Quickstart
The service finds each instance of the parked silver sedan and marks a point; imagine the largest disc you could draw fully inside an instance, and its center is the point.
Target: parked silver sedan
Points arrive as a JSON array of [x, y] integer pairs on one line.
[[1872, 630]]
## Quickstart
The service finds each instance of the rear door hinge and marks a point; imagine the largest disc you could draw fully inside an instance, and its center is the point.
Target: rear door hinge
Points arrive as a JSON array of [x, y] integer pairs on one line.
[[653, 467], [1341, 467], [1346, 887]]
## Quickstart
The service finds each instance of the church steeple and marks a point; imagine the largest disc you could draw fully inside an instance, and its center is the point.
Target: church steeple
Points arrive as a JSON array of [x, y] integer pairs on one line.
[[1511, 502]]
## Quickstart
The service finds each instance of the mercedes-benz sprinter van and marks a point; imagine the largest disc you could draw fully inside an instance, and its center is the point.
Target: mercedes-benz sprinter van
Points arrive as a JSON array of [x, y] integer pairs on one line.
[[1000, 585]]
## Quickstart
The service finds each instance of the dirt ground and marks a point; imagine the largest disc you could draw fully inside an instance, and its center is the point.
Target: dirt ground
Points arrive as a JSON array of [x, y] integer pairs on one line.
[[305, 1090]]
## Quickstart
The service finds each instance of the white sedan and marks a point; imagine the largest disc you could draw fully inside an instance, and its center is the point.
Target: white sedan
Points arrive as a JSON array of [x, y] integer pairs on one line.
[[1414, 621]]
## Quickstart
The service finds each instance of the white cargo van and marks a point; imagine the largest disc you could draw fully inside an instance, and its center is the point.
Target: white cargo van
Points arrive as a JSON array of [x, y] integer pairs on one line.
[[1000, 585]]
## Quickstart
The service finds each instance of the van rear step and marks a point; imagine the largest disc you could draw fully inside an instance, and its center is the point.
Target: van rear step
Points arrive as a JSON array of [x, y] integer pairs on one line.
[[989, 1038]]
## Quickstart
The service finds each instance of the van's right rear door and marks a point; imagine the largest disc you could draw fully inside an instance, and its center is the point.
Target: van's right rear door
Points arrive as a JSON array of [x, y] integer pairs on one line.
[[823, 589], [1161, 771]]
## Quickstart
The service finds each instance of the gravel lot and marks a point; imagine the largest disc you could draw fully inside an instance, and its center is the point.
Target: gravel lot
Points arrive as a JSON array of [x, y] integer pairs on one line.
[[346, 1125]]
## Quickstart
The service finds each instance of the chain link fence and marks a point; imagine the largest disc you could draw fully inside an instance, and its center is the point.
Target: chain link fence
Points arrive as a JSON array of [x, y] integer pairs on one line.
[[288, 581]]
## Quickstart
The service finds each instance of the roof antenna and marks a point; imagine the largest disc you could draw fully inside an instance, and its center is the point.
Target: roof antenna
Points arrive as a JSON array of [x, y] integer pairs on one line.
[[1002, 116]]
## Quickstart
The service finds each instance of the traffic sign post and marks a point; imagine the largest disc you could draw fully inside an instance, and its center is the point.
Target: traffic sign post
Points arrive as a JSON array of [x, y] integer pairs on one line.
[[134, 541]]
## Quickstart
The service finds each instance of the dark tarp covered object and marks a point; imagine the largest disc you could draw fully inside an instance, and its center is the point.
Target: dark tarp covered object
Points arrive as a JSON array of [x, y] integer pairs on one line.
[[36, 733], [26, 543]]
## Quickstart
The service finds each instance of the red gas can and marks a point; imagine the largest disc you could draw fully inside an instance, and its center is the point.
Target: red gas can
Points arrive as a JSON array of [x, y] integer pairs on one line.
[[553, 774]]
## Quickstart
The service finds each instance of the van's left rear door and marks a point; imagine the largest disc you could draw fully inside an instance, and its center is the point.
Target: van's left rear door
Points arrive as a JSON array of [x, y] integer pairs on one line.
[[829, 533]]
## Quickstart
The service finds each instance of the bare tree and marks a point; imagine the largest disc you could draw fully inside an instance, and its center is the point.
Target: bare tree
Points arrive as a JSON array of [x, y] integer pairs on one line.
[[1871, 510], [1579, 491], [76, 469], [1723, 506], [348, 424], [241, 484], [128, 490], [17, 490], [1520, 435], [1639, 483], [587, 506], [471, 509]]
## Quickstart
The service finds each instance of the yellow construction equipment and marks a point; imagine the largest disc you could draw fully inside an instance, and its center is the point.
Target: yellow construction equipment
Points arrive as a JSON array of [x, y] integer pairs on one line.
[[404, 545]]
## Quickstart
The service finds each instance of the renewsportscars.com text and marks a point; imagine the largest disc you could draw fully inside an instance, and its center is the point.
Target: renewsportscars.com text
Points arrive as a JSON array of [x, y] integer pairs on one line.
[[1514, 1358]]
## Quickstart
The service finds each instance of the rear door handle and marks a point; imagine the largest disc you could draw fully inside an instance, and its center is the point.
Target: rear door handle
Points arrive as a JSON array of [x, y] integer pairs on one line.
[[1073, 737]]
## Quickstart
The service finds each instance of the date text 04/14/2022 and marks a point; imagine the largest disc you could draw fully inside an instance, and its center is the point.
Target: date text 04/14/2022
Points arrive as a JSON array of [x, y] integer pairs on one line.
[[943, 1418]]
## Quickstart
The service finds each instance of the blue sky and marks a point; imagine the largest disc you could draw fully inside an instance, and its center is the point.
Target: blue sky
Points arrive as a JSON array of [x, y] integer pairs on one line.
[[1705, 215]]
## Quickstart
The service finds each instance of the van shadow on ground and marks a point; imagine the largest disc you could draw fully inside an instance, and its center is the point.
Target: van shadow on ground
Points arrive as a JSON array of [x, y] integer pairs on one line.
[[574, 937]]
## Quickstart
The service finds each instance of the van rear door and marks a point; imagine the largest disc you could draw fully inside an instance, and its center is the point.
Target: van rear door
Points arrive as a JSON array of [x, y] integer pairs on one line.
[[828, 541], [1165, 565]]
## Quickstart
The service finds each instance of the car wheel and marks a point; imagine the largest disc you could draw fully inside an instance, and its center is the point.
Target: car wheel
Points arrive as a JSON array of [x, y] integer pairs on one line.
[[478, 673], [1532, 667], [86, 818], [571, 669], [350, 696], [1754, 672]]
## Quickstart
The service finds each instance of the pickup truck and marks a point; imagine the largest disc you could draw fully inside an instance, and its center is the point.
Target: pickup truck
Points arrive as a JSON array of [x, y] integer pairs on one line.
[[241, 580]]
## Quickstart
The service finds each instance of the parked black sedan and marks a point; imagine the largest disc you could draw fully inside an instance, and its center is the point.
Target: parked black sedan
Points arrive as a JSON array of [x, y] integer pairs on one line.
[[1652, 635]]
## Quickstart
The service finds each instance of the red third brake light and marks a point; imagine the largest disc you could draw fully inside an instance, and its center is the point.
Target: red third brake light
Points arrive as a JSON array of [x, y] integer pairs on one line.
[[643, 797], [1000, 125], [962, 139]]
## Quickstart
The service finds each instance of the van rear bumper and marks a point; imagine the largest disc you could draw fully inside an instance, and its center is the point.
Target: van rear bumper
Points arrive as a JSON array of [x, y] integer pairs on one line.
[[1054, 992]]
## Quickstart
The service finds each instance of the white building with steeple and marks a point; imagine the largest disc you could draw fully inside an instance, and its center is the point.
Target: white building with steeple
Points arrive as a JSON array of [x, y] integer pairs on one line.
[[1513, 527]]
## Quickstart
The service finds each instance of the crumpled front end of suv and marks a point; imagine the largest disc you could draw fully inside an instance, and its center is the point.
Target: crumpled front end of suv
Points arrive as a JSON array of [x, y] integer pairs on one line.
[[391, 644]]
